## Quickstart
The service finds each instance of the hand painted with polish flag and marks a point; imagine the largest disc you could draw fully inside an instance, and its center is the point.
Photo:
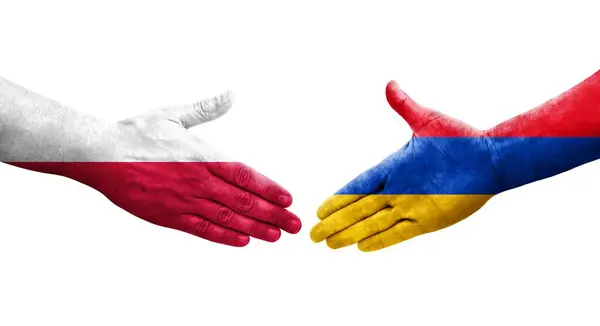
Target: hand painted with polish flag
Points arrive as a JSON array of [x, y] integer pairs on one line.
[[176, 180], [152, 167]]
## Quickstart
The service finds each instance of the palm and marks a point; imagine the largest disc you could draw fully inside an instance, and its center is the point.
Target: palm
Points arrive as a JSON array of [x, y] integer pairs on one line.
[[441, 176]]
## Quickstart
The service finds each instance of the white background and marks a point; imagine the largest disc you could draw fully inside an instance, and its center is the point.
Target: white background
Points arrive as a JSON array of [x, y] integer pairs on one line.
[[311, 114]]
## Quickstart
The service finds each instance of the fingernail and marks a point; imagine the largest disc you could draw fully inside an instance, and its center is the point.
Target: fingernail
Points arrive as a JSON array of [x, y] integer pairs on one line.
[[285, 200], [294, 225], [273, 234]]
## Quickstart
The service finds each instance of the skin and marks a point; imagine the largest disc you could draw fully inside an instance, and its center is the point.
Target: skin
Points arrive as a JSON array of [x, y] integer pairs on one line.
[[149, 165], [390, 213], [449, 170]]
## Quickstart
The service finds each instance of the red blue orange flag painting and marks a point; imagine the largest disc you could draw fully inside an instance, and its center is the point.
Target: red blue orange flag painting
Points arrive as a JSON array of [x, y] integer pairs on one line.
[[448, 169]]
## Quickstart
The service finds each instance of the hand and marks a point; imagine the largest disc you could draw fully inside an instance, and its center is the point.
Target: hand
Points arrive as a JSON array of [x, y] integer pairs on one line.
[[152, 167], [441, 176]]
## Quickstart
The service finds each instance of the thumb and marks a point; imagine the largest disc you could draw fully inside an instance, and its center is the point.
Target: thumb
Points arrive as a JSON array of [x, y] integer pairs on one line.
[[200, 112], [412, 112]]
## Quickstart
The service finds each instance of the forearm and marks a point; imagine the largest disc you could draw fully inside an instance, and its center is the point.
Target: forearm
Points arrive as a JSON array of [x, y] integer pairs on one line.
[[557, 136], [36, 129]]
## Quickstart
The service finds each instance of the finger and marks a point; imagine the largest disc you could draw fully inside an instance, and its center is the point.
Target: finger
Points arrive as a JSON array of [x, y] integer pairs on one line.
[[347, 216], [413, 113], [401, 231], [244, 177], [228, 218], [200, 112], [371, 181], [208, 230], [335, 203], [372, 225], [253, 206], [403, 208]]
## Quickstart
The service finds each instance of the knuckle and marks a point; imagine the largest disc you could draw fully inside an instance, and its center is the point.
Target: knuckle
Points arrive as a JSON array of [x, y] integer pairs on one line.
[[216, 167], [224, 216], [244, 201], [243, 176], [267, 189], [202, 227], [201, 108], [210, 186]]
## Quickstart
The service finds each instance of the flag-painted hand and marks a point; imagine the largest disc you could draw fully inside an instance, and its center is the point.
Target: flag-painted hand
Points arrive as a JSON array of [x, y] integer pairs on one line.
[[152, 167], [442, 175], [448, 170]]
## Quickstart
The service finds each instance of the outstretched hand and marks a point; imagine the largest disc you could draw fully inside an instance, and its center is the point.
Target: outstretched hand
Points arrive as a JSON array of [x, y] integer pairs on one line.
[[152, 167], [441, 176]]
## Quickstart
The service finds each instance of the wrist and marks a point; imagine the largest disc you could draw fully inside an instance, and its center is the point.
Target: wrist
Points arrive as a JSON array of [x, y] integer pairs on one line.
[[520, 160], [512, 159], [496, 159], [94, 142], [78, 139]]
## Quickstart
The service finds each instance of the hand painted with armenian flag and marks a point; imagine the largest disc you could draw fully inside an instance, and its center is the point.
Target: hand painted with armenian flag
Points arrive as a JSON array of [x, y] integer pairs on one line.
[[448, 170], [430, 183]]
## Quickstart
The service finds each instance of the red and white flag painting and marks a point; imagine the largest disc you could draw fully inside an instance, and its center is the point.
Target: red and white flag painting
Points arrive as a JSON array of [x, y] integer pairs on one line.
[[152, 167]]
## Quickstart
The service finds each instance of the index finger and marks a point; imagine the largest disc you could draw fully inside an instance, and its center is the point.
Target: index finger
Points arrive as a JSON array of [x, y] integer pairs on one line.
[[244, 177]]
